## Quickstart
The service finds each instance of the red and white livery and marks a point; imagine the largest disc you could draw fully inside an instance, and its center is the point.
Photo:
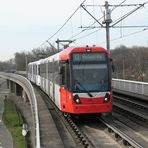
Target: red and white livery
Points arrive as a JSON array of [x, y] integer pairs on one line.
[[77, 79]]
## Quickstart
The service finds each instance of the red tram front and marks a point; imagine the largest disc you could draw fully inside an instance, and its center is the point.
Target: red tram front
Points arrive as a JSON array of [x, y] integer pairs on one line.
[[85, 76]]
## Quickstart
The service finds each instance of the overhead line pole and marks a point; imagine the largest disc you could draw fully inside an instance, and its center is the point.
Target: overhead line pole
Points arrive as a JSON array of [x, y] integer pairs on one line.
[[107, 19], [59, 41]]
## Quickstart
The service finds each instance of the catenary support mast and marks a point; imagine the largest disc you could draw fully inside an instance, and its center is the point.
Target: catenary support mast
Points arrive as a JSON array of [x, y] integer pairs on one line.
[[107, 21]]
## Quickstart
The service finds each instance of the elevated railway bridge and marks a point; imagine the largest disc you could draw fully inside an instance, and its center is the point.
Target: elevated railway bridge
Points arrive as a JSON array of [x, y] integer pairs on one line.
[[22, 87]]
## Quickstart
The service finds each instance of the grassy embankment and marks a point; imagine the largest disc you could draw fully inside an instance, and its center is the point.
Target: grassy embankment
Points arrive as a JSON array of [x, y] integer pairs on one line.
[[13, 121]]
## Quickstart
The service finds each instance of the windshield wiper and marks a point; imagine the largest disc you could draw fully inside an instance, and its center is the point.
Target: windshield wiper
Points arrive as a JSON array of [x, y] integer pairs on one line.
[[77, 82]]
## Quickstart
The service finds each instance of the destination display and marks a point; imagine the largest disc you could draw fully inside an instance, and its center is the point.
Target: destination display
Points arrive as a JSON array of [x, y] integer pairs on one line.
[[85, 57]]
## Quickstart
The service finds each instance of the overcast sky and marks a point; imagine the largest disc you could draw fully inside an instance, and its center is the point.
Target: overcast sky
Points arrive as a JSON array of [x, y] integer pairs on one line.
[[26, 24]]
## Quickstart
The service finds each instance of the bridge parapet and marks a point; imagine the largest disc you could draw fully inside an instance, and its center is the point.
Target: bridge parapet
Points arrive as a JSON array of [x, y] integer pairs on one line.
[[137, 87], [27, 92]]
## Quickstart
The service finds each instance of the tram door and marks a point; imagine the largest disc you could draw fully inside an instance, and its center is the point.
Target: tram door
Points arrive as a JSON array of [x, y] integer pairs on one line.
[[64, 83]]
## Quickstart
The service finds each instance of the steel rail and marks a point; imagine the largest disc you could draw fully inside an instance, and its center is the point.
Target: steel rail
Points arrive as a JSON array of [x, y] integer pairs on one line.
[[136, 108], [125, 137], [79, 137], [129, 99], [26, 85]]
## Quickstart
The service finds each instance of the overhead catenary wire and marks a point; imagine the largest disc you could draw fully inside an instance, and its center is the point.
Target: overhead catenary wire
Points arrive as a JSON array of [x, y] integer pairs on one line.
[[127, 35], [85, 29], [82, 32], [91, 15], [123, 17], [118, 5], [62, 25], [80, 6], [126, 15], [145, 9], [89, 27], [66, 21], [81, 21], [88, 34], [115, 6], [133, 33]]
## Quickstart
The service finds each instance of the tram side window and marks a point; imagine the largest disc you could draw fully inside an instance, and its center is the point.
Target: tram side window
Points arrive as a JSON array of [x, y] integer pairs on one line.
[[64, 72], [50, 70], [42, 70], [56, 74], [62, 75], [67, 76], [34, 69]]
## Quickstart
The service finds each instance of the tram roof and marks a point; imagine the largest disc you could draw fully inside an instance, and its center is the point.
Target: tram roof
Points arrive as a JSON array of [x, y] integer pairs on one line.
[[65, 54]]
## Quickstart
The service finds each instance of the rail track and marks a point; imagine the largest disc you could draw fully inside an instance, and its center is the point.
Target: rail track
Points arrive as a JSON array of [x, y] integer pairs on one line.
[[124, 134], [68, 131], [134, 107], [79, 135], [108, 132], [132, 112], [126, 128]]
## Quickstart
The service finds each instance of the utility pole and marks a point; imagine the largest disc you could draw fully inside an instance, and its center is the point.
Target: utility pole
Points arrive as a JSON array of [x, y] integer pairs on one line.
[[67, 45], [107, 18], [107, 21], [58, 44]]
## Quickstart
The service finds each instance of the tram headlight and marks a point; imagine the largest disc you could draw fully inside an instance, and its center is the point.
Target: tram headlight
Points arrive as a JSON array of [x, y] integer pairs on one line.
[[77, 99], [107, 98]]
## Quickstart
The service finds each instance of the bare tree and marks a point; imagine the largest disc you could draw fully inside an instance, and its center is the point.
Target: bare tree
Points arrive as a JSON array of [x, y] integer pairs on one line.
[[131, 63]]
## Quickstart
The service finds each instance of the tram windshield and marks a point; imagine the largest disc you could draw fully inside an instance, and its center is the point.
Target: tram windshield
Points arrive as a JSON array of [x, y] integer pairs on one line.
[[90, 75]]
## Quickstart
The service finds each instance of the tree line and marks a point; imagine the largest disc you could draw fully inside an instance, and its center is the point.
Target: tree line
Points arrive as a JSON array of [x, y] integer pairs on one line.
[[7, 65], [130, 63], [21, 59]]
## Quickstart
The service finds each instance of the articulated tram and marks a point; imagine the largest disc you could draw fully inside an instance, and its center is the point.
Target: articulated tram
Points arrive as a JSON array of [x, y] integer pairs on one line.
[[77, 79]]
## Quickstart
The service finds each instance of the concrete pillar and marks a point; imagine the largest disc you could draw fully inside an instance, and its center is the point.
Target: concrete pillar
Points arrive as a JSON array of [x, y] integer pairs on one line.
[[24, 96], [18, 90], [8, 84], [12, 87]]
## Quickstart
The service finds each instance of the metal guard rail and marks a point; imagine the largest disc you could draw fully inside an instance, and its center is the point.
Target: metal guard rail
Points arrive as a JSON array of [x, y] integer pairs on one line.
[[26, 85], [137, 87]]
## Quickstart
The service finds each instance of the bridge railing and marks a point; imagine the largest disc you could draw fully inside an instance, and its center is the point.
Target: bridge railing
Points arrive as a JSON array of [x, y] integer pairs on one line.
[[131, 86], [26, 85]]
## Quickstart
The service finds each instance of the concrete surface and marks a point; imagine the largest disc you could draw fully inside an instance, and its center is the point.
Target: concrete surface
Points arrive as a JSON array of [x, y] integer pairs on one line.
[[5, 136], [48, 131]]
